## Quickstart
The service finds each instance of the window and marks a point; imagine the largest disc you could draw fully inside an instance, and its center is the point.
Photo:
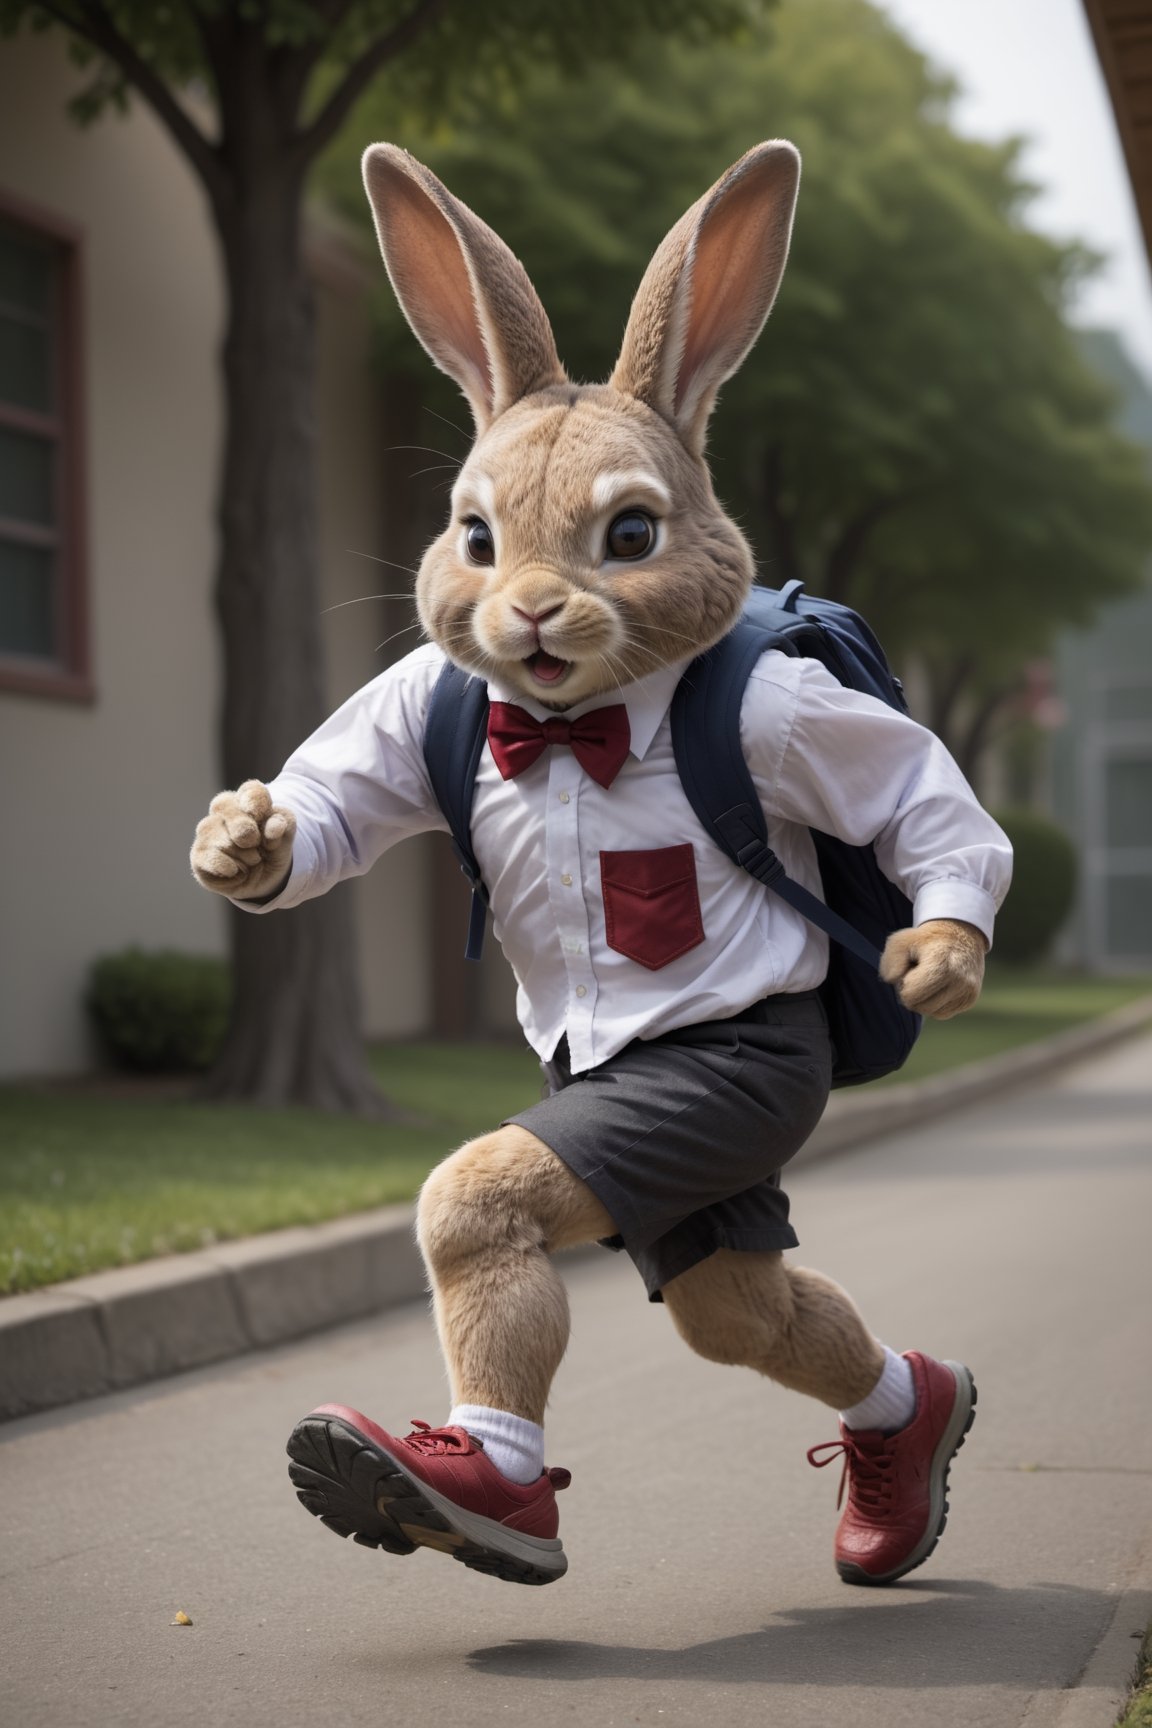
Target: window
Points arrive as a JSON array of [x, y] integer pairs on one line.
[[43, 624]]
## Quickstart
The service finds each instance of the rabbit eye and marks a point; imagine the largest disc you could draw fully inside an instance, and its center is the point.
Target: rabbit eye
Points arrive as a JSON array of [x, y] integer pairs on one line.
[[631, 535], [479, 541]]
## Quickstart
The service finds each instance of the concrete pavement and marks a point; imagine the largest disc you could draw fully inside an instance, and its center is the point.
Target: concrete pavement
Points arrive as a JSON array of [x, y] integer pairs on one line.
[[1014, 1235]]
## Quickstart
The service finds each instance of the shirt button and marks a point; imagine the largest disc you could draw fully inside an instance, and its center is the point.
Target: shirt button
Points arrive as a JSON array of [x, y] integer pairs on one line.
[[566, 880], [581, 990], [564, 798]]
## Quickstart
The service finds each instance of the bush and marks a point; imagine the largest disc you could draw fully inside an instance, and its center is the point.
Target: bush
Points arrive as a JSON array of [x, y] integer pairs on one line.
[[1043, 887], [163, 1012]]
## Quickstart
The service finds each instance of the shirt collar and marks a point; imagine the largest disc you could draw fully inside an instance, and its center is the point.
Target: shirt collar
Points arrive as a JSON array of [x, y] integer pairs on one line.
[[647, 702]]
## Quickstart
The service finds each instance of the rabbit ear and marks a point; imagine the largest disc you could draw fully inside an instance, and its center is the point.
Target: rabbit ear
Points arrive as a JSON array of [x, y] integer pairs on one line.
[[708, 290], [466, 296]]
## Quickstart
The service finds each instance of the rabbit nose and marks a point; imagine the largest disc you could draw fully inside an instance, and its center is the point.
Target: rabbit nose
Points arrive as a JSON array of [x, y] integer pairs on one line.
[[538, 617]]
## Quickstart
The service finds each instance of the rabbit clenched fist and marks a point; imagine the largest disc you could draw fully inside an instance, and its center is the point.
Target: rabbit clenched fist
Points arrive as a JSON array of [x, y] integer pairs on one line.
[[243, 847], [937, 968]]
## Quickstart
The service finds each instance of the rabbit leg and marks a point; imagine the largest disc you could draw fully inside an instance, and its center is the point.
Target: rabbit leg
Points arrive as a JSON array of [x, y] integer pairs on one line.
[[794, 1325], [487, 1220]]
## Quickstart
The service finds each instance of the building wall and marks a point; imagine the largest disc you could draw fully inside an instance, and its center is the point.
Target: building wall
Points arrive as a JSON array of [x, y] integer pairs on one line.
[[1101, 759], [100, 798], [1102, 783]]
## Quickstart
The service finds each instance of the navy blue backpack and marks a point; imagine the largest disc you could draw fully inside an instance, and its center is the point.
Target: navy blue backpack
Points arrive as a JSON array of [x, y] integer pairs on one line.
[[871, 1031]]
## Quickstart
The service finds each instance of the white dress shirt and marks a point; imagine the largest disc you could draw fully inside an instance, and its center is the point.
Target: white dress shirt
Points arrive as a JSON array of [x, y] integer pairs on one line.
[[821, 756]]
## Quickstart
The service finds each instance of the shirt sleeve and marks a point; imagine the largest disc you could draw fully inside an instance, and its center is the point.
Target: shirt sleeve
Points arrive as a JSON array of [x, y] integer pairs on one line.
[[359, 784], [850, 766]]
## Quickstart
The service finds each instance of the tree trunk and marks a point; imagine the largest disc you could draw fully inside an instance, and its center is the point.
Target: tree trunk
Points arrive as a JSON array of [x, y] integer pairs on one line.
[[295, 1035]]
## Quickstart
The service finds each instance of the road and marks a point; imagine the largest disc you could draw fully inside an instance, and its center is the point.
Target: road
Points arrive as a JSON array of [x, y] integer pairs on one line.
[[701, 1588]]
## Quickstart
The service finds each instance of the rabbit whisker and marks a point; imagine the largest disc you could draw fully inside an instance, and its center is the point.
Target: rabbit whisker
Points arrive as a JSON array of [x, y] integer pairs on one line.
[[360, 599], [408, 569], [447, 422], [614, 665], [658, 630], [396, 634], [428, 450]]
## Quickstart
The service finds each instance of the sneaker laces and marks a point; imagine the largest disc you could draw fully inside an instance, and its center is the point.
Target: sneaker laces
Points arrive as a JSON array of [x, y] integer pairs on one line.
[[867, 1469], [438, 1441]]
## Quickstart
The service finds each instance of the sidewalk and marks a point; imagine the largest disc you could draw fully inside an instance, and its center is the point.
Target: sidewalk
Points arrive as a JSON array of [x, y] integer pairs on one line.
[[138, 1323], [1012, 1234]]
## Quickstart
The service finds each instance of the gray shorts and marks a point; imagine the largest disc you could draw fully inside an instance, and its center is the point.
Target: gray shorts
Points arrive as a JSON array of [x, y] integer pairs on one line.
[[683, 1137]]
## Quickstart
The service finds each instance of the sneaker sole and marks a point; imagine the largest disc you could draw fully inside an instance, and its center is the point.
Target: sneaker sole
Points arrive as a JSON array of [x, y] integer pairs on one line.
[[358, 1489], [953, 1437]]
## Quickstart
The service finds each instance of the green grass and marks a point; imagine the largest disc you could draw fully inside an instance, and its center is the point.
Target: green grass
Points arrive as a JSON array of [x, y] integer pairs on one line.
[[1015, 1008], [1138, 1711], [92, 1177], [89, 1181]]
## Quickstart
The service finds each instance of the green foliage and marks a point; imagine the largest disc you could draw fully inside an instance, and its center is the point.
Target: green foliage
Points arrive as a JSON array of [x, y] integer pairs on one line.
[[160, 1012], [444, 46], [1043, 887], [918, 432]]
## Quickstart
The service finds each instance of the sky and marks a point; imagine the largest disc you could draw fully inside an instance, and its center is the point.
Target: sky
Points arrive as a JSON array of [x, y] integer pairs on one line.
[[1029, 68]]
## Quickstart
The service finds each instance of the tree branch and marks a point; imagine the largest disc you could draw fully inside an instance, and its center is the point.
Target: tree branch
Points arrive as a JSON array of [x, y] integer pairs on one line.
[[979, 730], [947, 688], [210, 42], [842, 560], [290, 67], [360, 74], [93, 25]]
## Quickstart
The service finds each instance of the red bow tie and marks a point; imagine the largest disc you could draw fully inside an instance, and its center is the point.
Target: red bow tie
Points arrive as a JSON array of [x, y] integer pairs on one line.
[[599, 741]]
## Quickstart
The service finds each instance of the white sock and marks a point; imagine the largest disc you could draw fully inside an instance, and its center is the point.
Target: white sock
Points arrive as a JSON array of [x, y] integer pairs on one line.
[[515, 1445], [891, 1404]]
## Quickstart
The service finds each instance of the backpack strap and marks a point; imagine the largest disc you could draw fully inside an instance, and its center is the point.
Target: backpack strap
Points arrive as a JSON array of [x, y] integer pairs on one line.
[[705, 721], [454, 735]]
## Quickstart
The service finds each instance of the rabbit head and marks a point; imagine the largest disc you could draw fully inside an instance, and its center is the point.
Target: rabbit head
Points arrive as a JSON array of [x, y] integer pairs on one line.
[[586, 547]]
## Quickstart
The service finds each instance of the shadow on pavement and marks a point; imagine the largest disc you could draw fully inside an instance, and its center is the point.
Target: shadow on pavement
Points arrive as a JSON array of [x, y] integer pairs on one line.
[[921, 1634]]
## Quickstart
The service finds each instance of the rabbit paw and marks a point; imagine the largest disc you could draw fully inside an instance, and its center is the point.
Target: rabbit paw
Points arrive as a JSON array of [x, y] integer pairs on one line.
[[937, 968], [243, 847]]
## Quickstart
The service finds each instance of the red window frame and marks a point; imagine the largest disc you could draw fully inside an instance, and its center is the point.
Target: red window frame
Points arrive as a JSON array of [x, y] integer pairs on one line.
[[67, 674]]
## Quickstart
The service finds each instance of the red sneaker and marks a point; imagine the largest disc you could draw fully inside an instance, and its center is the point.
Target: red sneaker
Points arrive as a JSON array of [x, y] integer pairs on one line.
[[433, 1489], [898, 1483]]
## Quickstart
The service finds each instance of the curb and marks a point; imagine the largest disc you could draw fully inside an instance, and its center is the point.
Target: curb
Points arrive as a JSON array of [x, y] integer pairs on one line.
[[854, 1118], [138, 1323], [1100, 1694]]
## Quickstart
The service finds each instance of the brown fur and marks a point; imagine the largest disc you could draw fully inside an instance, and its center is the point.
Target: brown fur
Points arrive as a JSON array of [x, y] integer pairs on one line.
[[243, 847], [708, 290], [490, 1216], [487, 1220], [617, 624], [938, 967], [466, 296], [542, 443], [794, 1325]]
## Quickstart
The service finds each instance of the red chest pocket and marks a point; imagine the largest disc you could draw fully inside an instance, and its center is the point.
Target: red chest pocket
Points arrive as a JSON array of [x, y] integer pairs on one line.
[[651, 904]]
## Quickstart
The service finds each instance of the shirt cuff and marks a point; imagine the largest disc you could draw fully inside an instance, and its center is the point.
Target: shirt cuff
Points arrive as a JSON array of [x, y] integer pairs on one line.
[[966, 901]]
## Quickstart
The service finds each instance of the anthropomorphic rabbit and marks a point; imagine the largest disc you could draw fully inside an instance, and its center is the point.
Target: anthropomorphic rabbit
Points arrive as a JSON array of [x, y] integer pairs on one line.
[[673, 1001]]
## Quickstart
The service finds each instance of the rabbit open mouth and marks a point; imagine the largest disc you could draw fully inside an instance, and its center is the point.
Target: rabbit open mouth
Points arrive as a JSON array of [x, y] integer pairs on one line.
[[545, 668]]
